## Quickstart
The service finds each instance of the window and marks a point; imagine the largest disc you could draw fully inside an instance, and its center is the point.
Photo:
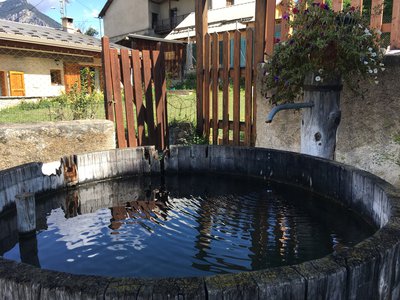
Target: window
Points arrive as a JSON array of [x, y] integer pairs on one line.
[[230, 2], [154, 20], [173, 14], [55, 77]]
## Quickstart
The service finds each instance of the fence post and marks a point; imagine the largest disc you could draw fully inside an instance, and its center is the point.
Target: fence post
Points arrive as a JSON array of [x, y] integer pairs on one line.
[[337, 5], [108, 91], [376, 14], [259, 46], [395, 29], [358, 4], [270, 27], [201, 20]]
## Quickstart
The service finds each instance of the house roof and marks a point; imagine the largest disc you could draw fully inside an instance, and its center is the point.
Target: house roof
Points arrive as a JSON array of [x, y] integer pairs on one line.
[[105, 8], [145, 37], [219, 20], [45, 36]]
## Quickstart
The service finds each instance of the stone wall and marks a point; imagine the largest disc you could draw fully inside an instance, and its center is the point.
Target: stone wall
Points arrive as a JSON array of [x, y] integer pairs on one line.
[[369, 132], [48, 141]]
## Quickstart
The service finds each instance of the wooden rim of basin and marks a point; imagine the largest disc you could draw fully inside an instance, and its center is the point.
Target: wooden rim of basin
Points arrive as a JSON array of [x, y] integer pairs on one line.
[[366, 271]]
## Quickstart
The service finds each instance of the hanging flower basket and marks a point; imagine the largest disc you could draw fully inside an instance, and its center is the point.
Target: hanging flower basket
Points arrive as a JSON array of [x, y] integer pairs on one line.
[[325, 43]]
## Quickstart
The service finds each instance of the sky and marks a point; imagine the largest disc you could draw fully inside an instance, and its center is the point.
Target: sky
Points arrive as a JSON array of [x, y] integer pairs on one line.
[[84, 12]]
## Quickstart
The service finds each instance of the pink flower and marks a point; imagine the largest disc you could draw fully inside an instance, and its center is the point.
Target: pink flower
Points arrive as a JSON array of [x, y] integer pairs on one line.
[[295, 10]]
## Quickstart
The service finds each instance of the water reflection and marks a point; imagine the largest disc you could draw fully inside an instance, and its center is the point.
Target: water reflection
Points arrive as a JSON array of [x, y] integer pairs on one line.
[[187, 226], [152, 207], [28, 249]]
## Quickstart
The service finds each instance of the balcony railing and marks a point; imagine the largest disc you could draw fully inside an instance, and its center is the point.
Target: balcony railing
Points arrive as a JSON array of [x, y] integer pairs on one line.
[[167, 25]]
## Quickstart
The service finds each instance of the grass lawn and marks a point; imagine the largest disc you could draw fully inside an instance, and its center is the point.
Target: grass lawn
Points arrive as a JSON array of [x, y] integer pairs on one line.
[[181, 108]]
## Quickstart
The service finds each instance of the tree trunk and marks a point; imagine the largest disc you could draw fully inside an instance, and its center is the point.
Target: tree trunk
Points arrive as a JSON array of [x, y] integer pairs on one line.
[[319, 123]]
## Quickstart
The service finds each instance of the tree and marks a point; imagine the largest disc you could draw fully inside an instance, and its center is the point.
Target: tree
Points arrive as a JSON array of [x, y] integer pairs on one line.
[[325, 49], [91, 32]]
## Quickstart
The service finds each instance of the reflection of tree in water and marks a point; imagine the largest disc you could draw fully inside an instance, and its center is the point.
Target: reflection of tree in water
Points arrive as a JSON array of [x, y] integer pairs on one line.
[[152, 207], [274, 235], [264, 222]]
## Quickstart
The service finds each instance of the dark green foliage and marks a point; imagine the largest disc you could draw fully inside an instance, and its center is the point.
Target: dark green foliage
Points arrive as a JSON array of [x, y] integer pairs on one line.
[[326, 43]]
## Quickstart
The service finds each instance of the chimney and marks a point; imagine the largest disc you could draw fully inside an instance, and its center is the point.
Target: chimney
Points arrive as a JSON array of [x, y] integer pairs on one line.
[[68, 24]]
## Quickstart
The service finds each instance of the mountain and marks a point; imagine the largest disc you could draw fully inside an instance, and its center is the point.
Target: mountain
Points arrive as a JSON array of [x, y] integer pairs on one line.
[[22, 11]]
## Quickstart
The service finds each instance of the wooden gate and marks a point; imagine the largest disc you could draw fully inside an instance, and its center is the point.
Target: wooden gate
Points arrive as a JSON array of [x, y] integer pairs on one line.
[[229, 120], [259, 40], [135, 95], [17, 83]]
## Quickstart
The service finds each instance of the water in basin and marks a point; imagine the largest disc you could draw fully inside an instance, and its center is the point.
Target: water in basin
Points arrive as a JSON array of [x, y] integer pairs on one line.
[[189, 225]]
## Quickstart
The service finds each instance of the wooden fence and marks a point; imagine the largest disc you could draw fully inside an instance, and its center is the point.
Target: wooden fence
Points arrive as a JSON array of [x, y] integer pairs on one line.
[[229, 129], [211, 72], [376, 20], [130, 77]]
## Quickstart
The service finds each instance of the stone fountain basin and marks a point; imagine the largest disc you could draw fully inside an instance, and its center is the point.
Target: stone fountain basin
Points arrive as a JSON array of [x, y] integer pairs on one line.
[[369, 270]]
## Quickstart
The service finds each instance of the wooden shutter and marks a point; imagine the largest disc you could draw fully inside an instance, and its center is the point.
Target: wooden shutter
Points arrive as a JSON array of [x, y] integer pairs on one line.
[[17, 83], [72, 75]]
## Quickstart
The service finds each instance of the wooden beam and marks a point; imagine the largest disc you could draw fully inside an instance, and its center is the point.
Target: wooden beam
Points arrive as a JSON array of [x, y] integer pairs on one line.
[[358, 4], [248, 86], [395, 28], [207, 82], [236, 88], [148, 90], [215, 87], [140, 109], [337, 5], [116, 81], [128, 93], [108, 90], [376, 14], [225, 88], [387, 27], [261, 7], [285, 29], [259, 46], [201, 20], [270, 27]]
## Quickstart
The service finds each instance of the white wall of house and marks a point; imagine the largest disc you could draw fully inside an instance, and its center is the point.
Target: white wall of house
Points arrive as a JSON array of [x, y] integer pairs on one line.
[[127, 16], [183, 8], [36, 74], [215, 4]]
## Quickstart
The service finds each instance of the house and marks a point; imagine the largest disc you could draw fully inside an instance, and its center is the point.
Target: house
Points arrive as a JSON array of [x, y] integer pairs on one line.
[[229, 18], [139, 24], [144, 17], [38, 61], [159, 17], [175, 21]]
